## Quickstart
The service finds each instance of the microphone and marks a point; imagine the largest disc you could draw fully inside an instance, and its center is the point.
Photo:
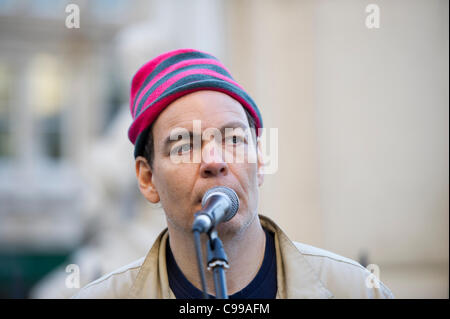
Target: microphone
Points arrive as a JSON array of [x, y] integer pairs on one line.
[[219, 204]]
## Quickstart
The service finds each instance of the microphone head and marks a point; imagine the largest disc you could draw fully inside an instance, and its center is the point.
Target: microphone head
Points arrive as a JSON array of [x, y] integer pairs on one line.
[[227, 192]]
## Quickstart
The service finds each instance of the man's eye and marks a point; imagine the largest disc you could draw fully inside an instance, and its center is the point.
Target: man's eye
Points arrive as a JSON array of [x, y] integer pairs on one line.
[[235, 139], [181, 149]]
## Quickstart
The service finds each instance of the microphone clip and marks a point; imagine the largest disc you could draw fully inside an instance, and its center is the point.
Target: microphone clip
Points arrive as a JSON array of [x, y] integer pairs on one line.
[[216, 255]]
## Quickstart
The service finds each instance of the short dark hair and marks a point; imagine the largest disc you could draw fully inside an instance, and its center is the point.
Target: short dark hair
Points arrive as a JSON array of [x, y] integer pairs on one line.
[[149, 154]]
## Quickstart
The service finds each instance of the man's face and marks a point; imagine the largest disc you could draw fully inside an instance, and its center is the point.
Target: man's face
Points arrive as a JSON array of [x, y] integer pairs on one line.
[[180, 185]]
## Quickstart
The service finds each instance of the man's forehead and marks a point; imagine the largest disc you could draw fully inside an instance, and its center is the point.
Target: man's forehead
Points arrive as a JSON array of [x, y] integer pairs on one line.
[[212, 109]]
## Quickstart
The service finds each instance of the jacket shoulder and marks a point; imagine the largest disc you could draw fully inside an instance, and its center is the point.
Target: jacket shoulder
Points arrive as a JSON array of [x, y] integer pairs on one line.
[[115, 284], [344, 277]]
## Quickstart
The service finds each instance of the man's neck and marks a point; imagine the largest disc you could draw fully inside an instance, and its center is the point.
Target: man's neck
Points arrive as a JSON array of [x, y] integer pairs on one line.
[[245, 254]]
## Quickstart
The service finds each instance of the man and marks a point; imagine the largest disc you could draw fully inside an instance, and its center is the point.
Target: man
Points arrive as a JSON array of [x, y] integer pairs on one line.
[[170, 96]]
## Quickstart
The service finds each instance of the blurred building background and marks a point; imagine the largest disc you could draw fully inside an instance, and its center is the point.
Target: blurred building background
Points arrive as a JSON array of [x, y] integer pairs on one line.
[[362, 118]]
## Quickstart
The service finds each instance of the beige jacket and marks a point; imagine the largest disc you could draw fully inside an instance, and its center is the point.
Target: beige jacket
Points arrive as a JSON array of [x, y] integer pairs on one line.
[[303, 271]]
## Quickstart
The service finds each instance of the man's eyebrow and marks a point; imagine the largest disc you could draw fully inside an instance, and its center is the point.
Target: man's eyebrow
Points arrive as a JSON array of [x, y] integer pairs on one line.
[[175, 136], [234, 124]]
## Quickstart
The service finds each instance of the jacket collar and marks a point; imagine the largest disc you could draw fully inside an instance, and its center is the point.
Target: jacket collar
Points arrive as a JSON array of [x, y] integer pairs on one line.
[[295, 276]]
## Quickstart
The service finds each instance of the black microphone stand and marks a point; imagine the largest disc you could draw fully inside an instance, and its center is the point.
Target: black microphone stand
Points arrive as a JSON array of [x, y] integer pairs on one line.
[[217, 262]]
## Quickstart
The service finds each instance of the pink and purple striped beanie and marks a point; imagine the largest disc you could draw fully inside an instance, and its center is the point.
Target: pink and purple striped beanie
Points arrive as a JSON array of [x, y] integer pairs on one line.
[[171, 75]]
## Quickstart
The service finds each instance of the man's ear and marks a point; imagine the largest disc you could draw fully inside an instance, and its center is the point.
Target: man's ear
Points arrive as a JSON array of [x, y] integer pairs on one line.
[[144, 176], [260, 163]]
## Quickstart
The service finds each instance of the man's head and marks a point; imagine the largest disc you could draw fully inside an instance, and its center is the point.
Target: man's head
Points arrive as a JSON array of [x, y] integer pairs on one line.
[[180, 90], [180, 186]]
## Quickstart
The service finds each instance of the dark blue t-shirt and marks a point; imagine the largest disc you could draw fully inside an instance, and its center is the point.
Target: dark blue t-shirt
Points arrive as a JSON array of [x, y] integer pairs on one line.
[[263, 286]]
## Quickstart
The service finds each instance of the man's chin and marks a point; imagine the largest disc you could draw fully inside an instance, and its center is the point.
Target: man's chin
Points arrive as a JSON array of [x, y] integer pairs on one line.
[[236, 226]]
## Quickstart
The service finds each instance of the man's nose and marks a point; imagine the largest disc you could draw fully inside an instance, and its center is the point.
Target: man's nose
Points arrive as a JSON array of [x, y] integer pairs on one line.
[[213, 164]]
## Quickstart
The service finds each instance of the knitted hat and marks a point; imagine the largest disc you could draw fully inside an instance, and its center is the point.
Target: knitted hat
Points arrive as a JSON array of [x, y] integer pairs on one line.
[[171, 75]]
